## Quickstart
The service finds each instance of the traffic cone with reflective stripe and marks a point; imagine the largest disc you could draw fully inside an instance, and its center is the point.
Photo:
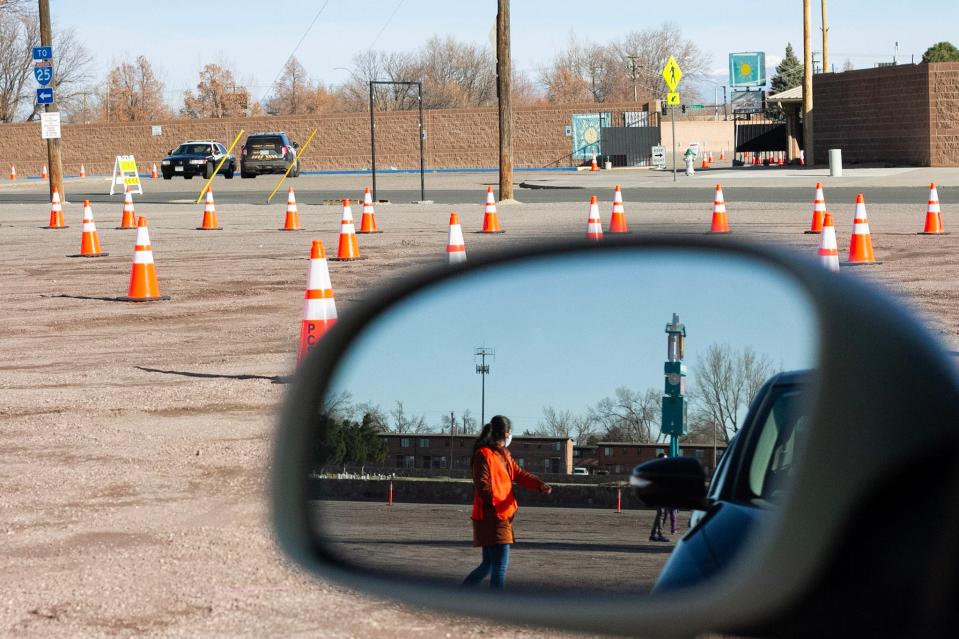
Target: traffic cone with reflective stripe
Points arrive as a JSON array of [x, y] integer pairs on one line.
[[722, 154], [89, 239], [209, 214], [292, 222], [782, 159], [860, 244], [818, 211], [368, 221], [828, 249], [593, 166], [143, 276], [455, 246], [802, 157], [83, 171], [594, 224], [56, 212], [319, 312], [617, 223], [720, 223], [13, 172], [129, 219], [348, 249], [933, 214], [490, 219], [153, 172], [44, 174]]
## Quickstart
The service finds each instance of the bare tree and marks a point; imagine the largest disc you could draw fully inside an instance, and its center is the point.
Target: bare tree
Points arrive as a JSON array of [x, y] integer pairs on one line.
[[726, 380], [217, 95], [465, 425], [403, 423], [133, 94], [295, 93], [565, 424], [629, 415], [18, 33]]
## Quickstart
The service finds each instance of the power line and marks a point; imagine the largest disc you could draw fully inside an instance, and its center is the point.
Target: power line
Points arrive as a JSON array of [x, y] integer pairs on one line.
[[388, 21], [297, 47]]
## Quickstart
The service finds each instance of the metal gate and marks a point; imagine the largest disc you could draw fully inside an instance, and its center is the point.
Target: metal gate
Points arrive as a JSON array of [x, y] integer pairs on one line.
[[630, 145], [763, 140]]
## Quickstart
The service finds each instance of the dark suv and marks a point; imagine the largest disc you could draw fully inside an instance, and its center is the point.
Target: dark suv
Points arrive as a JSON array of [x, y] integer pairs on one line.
[[197, 157], [268, 153]]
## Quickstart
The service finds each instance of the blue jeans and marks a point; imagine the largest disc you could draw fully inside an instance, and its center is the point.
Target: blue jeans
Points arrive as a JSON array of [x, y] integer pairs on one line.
[[495, 562]]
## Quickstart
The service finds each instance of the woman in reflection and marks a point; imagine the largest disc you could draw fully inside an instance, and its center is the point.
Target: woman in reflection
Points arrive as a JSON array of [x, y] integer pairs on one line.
[[494, 504]]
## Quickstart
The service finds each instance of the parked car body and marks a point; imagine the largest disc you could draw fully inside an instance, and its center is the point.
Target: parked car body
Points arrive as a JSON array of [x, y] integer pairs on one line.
[[198, 157], [270, 152]]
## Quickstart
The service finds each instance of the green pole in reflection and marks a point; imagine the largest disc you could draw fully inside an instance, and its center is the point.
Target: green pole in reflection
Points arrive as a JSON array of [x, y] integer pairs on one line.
[[674, 398]]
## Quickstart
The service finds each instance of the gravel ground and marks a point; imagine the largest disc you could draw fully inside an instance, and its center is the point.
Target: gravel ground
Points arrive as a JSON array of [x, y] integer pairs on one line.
[[134, 438]]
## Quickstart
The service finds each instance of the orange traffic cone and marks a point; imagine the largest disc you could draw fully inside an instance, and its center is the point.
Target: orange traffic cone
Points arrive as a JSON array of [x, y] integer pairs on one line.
[[593, 166], [319, 313], [56, 212], [802, 157], [89, 239], [828, 249], [933, 214], [818, 210], [44, 175], [860, 244], [704, 164], [209, 215], [720, 223], [153, 172], [594, 224], [710, 158], [129, 217], [455, 246], [292, 222], [348, 249], [722, 154], [490, 219], [13, 172], [83, 171], [368, 221], [781, 160], [617, 224], [143, 276]]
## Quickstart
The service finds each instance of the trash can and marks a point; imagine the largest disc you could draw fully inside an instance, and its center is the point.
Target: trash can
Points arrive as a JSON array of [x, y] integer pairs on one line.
[[835, 162]]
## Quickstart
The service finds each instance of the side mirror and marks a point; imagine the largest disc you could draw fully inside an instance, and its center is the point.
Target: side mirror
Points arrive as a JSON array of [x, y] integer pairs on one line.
[[671, 482]]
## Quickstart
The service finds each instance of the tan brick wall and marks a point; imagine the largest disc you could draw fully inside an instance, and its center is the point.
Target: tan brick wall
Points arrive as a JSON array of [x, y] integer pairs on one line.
[[944, 113], [874, 115], [456, 138]]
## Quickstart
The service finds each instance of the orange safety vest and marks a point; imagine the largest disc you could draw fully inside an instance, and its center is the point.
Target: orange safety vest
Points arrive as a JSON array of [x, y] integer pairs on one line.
[[501, 483]]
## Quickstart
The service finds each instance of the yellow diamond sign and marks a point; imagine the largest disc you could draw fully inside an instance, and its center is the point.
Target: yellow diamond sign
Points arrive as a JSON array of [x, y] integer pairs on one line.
[[672, 74]]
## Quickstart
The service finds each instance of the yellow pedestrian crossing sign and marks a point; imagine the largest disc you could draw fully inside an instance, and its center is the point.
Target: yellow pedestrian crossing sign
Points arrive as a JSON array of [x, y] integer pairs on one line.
[[672, 74], [672, 99]]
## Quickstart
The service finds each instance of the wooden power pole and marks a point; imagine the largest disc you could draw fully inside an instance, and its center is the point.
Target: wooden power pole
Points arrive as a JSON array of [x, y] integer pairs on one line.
[[825, 39], [503, 90], [53, 145], [807, 115]]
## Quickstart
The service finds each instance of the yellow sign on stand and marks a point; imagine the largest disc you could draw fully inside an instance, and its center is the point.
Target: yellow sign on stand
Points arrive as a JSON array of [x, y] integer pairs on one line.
[[125, 174]]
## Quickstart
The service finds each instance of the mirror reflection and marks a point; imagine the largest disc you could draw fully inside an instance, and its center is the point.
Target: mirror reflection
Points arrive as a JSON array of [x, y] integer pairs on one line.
[[606, 421]]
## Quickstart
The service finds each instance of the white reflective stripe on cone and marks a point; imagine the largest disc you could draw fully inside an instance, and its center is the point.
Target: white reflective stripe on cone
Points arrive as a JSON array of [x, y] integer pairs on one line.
[[320, 309], [143, 257]]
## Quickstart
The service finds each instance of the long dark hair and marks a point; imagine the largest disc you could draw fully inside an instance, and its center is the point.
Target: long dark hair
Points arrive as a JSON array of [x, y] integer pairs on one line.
[[493, 432]]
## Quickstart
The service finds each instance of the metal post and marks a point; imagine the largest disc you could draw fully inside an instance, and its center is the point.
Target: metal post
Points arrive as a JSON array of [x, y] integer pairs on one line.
[[675, 147], [373, 141], [419, 97], [53, 144], [452, 435], [725, 113]]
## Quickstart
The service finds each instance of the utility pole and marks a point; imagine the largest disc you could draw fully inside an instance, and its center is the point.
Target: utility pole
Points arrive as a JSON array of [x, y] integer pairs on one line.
[[452, 436], [504, 85], [483, 369], [807, 115], [53, 144], [825, 39], [632, 70]]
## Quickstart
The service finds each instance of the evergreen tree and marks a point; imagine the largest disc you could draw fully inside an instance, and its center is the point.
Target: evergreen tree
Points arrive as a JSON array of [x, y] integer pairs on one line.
[[789, 74], [941, 52]]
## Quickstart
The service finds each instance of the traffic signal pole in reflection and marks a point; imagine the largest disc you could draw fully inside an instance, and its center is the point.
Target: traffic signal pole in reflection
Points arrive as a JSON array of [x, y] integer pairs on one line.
[[674, 398]]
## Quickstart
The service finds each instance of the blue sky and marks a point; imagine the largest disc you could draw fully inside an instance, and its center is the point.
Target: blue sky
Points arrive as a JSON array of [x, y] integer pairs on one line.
[[569, 333], [255, 38]]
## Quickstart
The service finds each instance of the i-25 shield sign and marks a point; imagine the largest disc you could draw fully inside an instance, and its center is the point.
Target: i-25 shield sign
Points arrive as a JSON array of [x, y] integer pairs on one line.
[[43, 74]]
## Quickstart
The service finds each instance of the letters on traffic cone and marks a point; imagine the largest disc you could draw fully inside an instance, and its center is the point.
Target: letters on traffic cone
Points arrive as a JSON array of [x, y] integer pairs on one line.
[[933, 214], [83, 171], [828, 249], [209, 214], [594, 224], [455, 246], [292, 222], [490, 219], [720, 223], [44, 175], [153, 172], [129, 217], [593, 166], [368, 221], [56, 212], [860, 244], [348, 249], [617, 224], [143, 276], [319, 312], [818, 211], [13, 172], [89, 239]]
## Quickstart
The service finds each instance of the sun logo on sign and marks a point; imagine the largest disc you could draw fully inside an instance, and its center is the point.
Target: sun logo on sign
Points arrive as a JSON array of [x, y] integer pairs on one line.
[[745, 69]]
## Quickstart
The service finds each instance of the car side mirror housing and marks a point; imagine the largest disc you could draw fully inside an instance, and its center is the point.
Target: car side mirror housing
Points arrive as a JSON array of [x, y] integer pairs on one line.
[[670, 482]]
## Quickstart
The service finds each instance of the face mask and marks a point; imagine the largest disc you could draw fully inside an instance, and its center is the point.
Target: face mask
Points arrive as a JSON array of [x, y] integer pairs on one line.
[[509, 438]]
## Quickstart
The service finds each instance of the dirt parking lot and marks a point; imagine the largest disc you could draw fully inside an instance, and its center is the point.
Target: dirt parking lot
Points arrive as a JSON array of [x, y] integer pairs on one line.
[[134, 439]]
